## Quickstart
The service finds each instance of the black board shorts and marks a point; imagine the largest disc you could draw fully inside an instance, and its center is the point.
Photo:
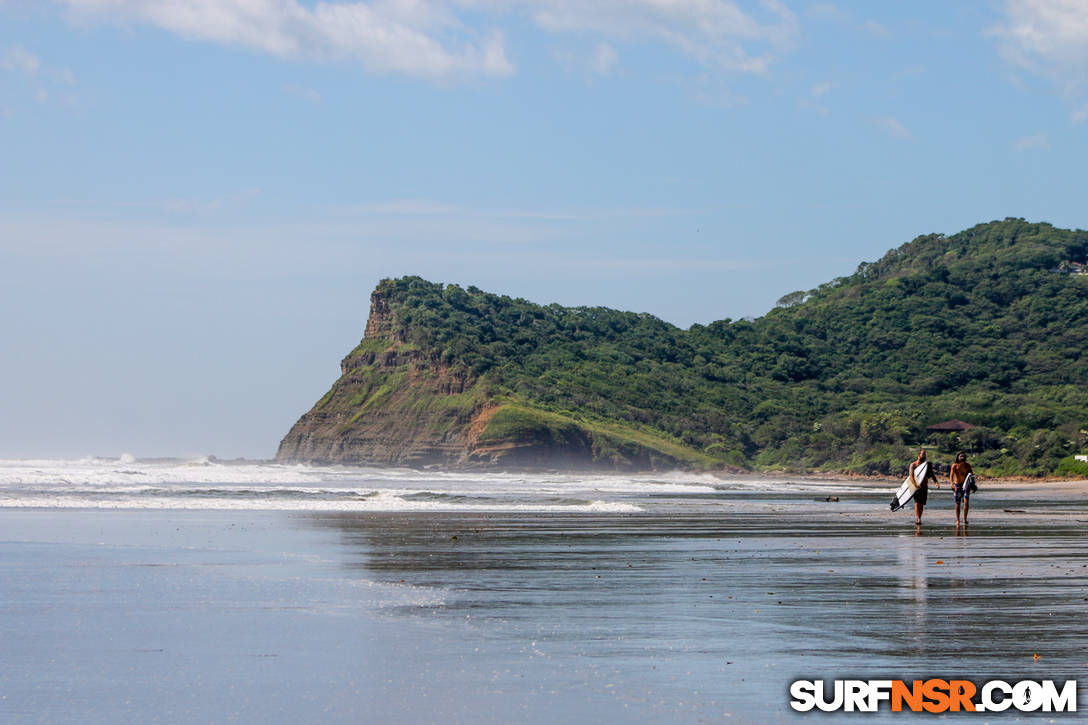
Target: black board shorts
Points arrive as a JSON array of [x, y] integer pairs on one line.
[[922, 495]]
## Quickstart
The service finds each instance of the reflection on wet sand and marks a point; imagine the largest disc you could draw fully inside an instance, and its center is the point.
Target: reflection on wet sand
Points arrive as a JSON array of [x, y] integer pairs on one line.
[[775, 595]]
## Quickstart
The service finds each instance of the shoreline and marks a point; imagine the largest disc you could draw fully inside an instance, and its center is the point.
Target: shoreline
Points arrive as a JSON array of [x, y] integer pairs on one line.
[[653, 618], [896, 480], [724, 474]]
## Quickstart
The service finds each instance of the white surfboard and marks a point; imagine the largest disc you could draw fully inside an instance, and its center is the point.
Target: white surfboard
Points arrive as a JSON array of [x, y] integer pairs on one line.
[[910, 486]]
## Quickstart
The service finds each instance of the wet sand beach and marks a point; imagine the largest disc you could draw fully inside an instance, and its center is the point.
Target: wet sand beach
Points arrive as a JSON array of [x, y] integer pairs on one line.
[[698, 606]]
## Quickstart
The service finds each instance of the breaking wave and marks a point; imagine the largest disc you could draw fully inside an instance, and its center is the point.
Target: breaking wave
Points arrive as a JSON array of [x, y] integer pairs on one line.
[[128, 483], [207, 483]]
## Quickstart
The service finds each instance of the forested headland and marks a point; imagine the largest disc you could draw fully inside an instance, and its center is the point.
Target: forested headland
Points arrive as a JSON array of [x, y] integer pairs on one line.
[[987, 326]]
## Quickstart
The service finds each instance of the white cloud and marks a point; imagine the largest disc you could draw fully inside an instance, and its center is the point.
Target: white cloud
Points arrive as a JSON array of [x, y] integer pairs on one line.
[[1048, 37], [818, 90], [717, 33], [876, 28], [893, 127], [1032, 142], [410, 37], [42, 82], [442, 38], [605, 60], [1081, 114], [17, 60]]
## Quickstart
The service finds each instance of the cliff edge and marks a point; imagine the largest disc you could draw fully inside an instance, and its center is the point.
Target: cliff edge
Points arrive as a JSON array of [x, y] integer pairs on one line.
[[398, 403], [986, 326]]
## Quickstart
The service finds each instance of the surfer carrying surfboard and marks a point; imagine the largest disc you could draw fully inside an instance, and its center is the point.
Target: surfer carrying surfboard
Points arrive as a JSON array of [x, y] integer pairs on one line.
[[958, 478], [925, 475]]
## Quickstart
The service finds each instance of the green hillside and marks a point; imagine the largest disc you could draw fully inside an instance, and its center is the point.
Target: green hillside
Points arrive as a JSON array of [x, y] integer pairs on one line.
[[987, 326]]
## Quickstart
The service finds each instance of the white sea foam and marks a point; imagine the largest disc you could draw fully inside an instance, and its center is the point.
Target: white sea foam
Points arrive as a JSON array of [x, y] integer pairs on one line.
[[206, 483], [109, 471], [381, 503]]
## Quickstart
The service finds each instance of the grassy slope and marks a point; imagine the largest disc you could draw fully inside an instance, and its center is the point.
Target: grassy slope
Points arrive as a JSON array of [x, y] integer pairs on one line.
[[612, 443], [977, 326]]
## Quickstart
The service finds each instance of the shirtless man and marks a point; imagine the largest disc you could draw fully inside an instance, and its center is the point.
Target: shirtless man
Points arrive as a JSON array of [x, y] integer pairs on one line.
[[958, 477], [921, 496]]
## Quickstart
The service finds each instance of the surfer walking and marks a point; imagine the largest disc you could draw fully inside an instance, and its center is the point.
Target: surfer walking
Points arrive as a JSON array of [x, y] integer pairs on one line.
[[957, 476], [921, 496]]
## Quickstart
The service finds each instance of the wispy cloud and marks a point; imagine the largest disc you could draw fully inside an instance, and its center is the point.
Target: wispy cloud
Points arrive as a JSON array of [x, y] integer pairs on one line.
[[876, 28], [398, 228], [602, 61], [717, 33], [21, 61], [605, 60], [41, 82], [18, 60], [1033, 142], [1048, 37], [443, 39], [414, 38], [1080, 115], [848, 19], [817, 91], [893, 127]]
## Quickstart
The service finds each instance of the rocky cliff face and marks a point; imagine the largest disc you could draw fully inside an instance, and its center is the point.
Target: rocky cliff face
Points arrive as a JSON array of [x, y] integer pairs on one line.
[[396, 405], [828, 380], [381, 324], [391, 406]]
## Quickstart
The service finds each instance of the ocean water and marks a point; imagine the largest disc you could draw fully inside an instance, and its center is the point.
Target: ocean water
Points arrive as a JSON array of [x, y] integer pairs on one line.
[[197, 591], [125, 483]]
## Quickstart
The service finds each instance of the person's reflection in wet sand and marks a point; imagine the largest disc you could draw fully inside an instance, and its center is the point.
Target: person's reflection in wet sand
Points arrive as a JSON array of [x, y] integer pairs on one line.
[[914, 584]]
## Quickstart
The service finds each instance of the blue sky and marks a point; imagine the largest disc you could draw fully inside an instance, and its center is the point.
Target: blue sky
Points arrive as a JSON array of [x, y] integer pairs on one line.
[[198, 196]]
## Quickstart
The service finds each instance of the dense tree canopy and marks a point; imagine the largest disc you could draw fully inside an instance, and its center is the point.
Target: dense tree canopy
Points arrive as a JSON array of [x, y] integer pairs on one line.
[[988, 326]]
